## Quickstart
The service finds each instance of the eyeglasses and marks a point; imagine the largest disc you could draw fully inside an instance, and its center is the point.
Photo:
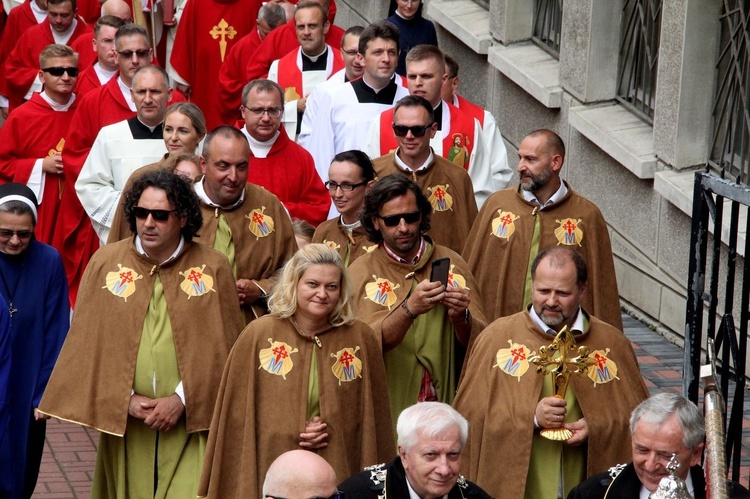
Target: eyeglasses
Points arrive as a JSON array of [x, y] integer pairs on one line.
[[158, 215], [394, 220], [417, 130], [59, 71], [337, 495], [273, 112], [351, 53], [22, 234], [346, 187], [128, 54]]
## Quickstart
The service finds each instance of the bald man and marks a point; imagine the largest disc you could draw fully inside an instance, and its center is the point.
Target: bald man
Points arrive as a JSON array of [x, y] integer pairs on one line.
[[117, 8], [299, 474]]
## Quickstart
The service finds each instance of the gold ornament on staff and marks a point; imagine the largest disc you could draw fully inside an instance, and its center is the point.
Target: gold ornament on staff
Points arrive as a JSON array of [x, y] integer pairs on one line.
[[560, 359]]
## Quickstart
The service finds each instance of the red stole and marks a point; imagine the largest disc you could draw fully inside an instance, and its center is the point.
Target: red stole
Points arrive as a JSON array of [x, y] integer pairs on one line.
[[290, 72], [460, 136], [471, 108]]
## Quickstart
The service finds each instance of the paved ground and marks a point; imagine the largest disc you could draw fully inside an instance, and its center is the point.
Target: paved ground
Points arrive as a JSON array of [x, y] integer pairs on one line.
[[70, 451]]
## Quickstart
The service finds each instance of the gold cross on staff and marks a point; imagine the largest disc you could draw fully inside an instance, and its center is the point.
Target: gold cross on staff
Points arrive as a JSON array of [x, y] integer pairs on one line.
[[559, 359], [223, 29]]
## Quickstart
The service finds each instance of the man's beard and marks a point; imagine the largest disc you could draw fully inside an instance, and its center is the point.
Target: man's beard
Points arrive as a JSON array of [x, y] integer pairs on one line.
[[537, 181]]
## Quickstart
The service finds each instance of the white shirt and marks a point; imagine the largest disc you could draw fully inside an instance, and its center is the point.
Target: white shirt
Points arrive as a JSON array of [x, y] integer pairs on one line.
[[556, 197]]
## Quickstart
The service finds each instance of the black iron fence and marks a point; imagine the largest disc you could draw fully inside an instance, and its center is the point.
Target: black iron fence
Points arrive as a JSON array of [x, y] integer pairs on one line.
[[713, 283]]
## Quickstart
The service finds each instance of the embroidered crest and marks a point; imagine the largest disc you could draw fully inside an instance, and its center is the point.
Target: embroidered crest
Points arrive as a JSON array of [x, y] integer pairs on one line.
[[347, 366], [196, 283], [261, 225], [456, 280], [58, 148], [569, 232], [276, 359], [503, 226], [439, 198], [332, 244], [223, 30], [369, 249], [382, 292], [604, 369], [513, 360], [458, 153], [122, 282]]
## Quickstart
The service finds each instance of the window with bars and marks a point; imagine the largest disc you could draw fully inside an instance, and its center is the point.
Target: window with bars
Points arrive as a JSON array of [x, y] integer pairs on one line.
[[547, 25], [730, 146], [639, 50]]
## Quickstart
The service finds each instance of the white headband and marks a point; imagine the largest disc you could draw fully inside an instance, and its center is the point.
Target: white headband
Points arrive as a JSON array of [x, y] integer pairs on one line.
[[24, 199]]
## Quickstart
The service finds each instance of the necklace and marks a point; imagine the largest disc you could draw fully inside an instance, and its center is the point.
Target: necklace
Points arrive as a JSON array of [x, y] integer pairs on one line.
[[11, 294], [314, 337]]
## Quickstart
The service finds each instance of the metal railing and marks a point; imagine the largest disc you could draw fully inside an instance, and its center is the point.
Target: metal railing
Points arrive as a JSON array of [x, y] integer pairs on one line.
[[730, 145], [547, 25], [639, 55], [708, 276]]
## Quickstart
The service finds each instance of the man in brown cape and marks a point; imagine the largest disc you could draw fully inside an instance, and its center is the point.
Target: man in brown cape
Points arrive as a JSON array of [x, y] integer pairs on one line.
[[142, 363], [516, 223], [507, 402], [424, 325], [448, 187]]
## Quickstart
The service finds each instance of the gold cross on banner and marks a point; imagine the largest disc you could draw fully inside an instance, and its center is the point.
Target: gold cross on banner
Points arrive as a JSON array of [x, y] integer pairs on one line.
[[223, 30]]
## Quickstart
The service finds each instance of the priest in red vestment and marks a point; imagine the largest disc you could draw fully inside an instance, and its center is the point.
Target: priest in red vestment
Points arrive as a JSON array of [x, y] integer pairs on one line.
[[207, 30], [22, 66], [104, 66], [232, 74], [28, 14], [276, 162], [33, 137], [87, 52]]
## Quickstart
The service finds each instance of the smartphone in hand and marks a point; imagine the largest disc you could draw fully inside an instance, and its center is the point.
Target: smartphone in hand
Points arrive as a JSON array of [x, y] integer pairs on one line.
[[440, 268]]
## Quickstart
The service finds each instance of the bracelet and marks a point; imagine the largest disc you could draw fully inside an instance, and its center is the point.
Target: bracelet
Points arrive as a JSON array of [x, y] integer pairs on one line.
[[408, 312]]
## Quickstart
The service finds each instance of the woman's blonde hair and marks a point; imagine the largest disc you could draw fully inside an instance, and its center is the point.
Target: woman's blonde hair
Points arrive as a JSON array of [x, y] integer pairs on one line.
[[283, 299]]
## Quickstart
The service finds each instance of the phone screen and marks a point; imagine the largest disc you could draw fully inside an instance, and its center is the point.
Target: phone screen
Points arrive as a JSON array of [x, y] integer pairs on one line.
[[440, 269]]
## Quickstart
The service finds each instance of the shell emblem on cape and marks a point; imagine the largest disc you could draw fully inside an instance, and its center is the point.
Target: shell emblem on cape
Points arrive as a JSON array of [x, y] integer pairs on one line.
[[569, 232], [261, 225], [439, 198], [503, 226], [456, 280], [196, 283], [347, 366], [369, 249], [514, 360], [332, 244], [382, 292], [122, 282], [277, 358], [604, 369]]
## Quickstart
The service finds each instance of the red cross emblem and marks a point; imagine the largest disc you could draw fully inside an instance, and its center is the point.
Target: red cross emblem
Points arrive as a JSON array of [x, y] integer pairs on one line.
[[517, 354], [439, 193], [280, 353], [384, 287], [346, 359], [258, 217], [125, 278], [506, 220], [194, 276], [569, 227], [601, 361]]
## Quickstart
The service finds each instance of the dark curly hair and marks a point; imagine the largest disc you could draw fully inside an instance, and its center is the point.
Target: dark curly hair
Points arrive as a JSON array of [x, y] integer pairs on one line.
[[179, 193], [382, 191]]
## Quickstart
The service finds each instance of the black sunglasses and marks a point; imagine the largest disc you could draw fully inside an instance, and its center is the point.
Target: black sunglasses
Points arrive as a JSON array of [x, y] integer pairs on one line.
[[22, 234], [59, 70], [394, 220], [417, 130], [128, 54], [158, 215]]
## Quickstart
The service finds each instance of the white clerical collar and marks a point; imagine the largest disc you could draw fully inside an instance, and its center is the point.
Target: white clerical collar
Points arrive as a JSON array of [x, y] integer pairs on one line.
[[54, 105], [103, 75], [260, 149], [414, 495], [645, 494], [314, 58], [376, 90], [126, 93], [578, 324], [200, 190], [139, 247], [64, 37], [407, 168], [39, 13], [556, 197], [151, 128]]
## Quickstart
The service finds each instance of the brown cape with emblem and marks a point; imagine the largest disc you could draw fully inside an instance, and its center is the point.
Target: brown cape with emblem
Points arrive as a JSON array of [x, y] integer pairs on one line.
[[427, 344], [501, 264], [500, 407], [260, 413], [350, 246], [93, 377], [453, 215]]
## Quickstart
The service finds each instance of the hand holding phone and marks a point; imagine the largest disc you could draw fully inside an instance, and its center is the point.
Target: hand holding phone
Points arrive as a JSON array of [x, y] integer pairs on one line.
[[440, 268]]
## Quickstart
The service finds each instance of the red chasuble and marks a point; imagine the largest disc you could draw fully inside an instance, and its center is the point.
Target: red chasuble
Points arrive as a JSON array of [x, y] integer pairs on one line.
[[232, 76], [87, 81], [22, 66], [279, 43], [462, 129], [290, 74], [84, 47], [33, 131], [289, 172], [19, 20], [208, 29]]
